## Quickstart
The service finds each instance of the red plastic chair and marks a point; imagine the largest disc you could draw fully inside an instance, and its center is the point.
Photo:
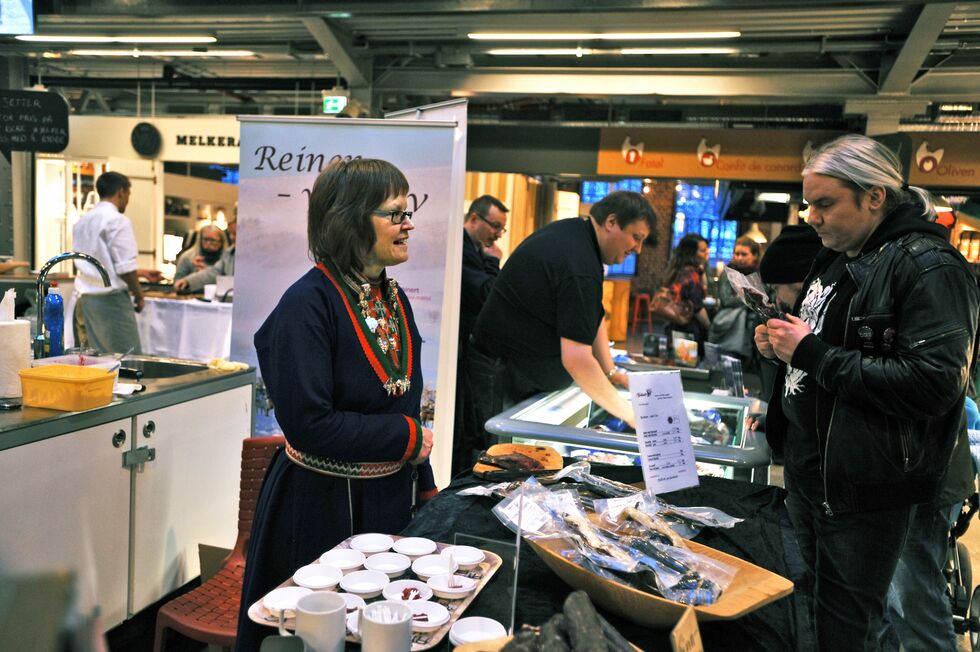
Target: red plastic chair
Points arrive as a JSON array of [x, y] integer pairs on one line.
[[209, 613], [644, 312]]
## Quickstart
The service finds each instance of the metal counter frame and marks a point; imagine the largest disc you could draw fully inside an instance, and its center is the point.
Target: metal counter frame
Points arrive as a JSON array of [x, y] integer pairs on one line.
[[750, 461]]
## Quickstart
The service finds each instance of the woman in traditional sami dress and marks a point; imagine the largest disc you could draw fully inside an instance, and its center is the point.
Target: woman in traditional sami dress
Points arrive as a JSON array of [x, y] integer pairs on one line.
[[340, 358]]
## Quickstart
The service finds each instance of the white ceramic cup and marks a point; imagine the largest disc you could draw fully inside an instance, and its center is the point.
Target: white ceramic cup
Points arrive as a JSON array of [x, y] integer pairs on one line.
[[386, 626], [320, 622], [209, 291]]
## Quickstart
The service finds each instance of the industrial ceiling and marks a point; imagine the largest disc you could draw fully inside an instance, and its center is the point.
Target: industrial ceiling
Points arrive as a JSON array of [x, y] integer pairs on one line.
[[815, 64]]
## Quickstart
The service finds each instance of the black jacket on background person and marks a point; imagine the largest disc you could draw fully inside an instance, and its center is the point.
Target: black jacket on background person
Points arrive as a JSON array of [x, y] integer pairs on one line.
[[889, 402], [479, 273]]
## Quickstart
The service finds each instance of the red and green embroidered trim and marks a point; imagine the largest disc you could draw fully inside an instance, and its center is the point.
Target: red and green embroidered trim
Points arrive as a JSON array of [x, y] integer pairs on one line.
[[415, 440], [338, 469], [394, 383]]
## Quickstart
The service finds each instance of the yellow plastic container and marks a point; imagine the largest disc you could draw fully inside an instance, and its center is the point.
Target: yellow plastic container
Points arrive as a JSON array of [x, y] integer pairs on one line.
[[66, 387]]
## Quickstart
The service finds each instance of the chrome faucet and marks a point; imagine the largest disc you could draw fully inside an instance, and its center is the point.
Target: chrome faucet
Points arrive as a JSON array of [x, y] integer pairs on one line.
[[42, 277]]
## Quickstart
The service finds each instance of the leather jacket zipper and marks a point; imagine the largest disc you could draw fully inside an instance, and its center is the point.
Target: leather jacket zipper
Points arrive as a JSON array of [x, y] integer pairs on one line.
[[826, 444], [937, 337], [906, 445]]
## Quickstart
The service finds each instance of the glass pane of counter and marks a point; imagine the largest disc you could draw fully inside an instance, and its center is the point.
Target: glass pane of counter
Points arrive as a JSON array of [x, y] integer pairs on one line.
[[569, 421]]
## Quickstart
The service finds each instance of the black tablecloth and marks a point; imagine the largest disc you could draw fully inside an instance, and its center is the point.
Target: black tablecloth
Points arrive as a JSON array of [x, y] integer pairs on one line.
[[764, 538]]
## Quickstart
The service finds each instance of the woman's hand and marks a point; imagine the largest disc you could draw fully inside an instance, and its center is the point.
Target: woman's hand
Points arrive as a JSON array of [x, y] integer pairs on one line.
[[785, 336], [427, 438], [762, 342]]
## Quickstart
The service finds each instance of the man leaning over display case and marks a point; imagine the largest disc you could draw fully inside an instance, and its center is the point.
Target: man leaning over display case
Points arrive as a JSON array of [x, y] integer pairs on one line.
[[543, 324], [868, 403]]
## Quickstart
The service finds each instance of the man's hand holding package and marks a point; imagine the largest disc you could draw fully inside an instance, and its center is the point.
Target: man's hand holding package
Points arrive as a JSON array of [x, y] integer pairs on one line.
[[785, 336]]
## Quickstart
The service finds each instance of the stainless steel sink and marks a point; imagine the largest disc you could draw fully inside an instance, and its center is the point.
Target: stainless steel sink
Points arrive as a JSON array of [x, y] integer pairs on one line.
[[154, 367]]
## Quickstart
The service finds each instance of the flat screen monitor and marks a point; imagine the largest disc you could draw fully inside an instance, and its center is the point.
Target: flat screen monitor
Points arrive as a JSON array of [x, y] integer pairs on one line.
[[16, 17]]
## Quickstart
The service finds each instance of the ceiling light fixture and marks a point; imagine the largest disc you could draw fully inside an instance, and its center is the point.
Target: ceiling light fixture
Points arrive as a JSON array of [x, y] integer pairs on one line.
[[578, 52], [136, 53], [631, 51], [599, 36], [566, 52], [67, 38]]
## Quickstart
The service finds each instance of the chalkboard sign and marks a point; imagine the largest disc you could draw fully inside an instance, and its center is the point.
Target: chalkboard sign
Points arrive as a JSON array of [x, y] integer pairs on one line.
[[33, 121]]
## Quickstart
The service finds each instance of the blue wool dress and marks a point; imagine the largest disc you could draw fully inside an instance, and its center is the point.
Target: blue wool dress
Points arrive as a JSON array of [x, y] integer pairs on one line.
[[330, 403]]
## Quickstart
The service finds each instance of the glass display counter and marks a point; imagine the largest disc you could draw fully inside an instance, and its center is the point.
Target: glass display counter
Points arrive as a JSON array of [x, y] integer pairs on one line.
[[570, 422]]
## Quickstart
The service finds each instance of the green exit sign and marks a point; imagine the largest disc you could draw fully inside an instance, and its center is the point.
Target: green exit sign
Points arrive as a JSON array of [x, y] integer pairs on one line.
[[334, 103]]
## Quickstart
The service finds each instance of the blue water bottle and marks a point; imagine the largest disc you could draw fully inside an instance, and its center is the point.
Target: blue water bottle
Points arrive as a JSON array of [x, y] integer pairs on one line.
[[54, 319]]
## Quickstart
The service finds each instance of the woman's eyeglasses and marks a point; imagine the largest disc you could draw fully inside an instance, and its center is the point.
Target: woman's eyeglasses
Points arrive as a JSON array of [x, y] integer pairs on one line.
[[396, 217], [497, 226]]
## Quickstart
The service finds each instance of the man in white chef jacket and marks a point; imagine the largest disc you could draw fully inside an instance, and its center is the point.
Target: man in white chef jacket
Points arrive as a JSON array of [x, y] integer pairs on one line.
[[109, 313]]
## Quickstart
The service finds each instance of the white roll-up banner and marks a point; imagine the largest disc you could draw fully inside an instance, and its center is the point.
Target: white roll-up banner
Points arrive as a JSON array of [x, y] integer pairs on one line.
[[280, 160]]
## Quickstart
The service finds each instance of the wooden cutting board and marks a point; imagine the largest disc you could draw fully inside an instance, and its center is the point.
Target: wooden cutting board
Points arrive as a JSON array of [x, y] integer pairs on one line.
[[549, 458]]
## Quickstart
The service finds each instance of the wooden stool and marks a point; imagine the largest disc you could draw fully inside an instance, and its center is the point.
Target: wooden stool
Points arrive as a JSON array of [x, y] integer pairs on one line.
[[644, 298]]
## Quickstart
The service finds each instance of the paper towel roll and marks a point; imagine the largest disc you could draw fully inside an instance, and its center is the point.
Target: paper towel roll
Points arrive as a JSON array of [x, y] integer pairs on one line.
[[15, 354]]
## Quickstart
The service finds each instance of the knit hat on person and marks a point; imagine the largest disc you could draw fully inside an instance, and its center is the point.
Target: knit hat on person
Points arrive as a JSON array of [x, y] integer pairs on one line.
[[789, 257]]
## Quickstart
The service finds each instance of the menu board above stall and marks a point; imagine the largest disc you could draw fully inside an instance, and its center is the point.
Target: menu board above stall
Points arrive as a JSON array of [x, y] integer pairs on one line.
[[33, 121]]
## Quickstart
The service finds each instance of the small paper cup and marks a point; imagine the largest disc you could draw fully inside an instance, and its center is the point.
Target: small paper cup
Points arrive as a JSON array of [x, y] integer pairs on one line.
[[372, 543], [318, 577], [466, 557], [475, 629], [391, 564], [284, 599], [429, 565], [365, 583], [440, 586], [414, 547], [345, 559], [435, 614], [396, 591]]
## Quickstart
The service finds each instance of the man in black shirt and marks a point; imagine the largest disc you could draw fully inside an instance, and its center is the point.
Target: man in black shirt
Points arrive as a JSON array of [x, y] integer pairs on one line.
[[544, 318], [485, 222], [869, 400]]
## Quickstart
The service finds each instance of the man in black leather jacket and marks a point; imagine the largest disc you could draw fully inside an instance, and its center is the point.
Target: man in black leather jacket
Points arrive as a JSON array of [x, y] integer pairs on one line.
[[869, 400]]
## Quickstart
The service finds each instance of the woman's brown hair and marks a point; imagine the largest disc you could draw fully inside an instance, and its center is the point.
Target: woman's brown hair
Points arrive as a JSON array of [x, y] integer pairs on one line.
[[338, 224]]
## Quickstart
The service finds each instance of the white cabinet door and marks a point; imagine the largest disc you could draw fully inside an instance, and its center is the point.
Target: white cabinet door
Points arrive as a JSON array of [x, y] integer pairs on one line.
[[189, 493], [65, 505]]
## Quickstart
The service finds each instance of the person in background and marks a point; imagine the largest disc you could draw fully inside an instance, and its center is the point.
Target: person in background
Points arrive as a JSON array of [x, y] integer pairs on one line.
[[225, 266], [732, 327], [784, 268], [340, 358], [485, 222], [210, 243], [108, 313], [543, 324], [686, 281], [868, 403]]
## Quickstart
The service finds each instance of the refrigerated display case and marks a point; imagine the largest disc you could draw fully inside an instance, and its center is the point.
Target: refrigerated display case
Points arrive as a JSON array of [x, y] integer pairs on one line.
[[570, 422]]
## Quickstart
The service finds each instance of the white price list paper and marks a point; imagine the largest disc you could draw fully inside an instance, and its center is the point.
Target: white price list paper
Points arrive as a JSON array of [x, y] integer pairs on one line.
[[662, 431]]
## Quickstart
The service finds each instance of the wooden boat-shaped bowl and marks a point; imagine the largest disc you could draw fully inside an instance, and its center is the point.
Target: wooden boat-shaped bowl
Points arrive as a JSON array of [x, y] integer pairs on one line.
[[751, 588]]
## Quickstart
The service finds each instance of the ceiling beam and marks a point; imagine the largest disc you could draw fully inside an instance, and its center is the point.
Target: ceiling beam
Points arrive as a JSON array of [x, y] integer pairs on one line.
[[339, 49], [923, 35], [592, 83]]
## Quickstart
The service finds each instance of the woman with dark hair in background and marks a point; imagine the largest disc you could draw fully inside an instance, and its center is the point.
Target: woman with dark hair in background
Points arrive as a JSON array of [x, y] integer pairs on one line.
[[340, 358], [685, 280]]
